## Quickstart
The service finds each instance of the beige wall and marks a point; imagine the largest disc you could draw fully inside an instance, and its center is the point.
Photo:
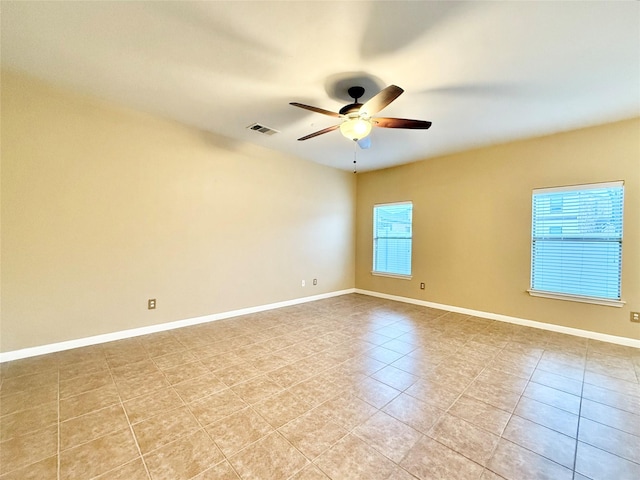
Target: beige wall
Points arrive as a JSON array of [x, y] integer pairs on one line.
[[472, 224], [103, 208]]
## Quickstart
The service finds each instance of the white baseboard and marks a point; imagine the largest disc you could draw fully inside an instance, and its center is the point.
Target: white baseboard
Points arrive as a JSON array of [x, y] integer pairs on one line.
[[136, 332], [629, 342]]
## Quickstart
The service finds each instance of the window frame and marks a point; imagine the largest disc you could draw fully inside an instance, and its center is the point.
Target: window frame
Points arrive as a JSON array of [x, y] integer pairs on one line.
[[614, 302], [380, 273]]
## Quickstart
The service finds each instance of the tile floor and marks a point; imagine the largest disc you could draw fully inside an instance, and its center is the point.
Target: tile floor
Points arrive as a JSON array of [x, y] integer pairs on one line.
[[351, 387]]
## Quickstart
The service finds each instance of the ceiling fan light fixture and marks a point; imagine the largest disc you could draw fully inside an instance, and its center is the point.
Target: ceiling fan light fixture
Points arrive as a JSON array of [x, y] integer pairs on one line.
[[355, 128]]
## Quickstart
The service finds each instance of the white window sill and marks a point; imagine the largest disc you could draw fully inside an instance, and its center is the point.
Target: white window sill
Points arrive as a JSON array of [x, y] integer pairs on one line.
[[392, 275], [577, 298]]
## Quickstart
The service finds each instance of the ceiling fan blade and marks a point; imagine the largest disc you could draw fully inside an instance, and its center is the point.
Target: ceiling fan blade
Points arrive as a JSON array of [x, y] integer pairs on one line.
[[320, 132], [316, 109], [400, 123], [381, 100], [365, 142]]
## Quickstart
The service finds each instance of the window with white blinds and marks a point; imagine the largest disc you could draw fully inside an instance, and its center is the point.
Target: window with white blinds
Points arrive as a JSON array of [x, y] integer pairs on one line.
[[576, 242], [392, 237]]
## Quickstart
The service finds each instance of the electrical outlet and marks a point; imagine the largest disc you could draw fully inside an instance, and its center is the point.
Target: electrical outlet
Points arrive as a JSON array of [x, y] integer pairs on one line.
[[421, 285], [151, 303], [315, 281], [635, 317], [303, 283]]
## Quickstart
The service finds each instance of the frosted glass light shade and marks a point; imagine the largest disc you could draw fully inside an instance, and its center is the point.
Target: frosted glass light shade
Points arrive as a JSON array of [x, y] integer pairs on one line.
[[355, 128]]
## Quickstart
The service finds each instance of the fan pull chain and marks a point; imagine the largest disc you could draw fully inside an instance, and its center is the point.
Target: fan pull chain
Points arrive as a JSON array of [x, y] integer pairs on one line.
[[355, 151]]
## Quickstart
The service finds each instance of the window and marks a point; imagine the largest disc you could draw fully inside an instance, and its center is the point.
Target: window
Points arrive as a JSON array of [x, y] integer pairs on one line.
[[576, 242], [392, 232]]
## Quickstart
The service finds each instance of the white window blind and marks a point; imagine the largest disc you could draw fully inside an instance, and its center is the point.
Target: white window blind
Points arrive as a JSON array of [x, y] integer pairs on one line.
[[392, 237], [576, 245]]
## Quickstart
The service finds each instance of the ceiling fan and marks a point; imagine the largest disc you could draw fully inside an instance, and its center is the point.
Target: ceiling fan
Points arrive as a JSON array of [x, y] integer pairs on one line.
[[358, 118]]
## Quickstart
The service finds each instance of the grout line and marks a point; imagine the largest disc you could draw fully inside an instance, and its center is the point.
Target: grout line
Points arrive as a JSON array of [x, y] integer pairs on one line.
[[575, 452], [133, 434]]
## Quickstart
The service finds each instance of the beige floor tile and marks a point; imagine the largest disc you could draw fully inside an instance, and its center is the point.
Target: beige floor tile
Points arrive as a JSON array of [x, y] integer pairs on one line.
[[429, 459], [541, 440], [347, 411], [415, 413], [510, 461], [27, 383], [217, 406], [384, 355], [551, 396], [622, 401], [149, 405], [597, 464], [434, 394], [222, 471], [142, 384], [25, 400], [271, 458], [374, 392], [612, 417], [489, 475], [98, 456], [29, 366], [134, 370], [238, 430], [310, 473], [134, 470], [199, 387], [389, 436], [163, 428], [312, 433], [281, 408], [561, 368], [92, 425], [184, 372], [184, 458], [26, 421], [462, 437], [165, 347], [67, 372], [27, 449], [172, 360], [257, 389], [548, 416], [498, 397], [364, 365], [574, 387], [502, 380], [236, 374], [351, 459], [85, 383], [611, 383], [289, 375], [609, 439], [394, 377], [88, 402], [44, 469], [481, 414]]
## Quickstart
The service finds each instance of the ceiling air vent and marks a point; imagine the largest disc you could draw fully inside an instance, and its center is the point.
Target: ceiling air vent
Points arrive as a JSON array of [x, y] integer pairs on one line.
[[256, 127]]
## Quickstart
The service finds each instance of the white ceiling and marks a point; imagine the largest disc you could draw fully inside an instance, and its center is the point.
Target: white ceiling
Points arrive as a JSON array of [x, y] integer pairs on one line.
[[482, 72]]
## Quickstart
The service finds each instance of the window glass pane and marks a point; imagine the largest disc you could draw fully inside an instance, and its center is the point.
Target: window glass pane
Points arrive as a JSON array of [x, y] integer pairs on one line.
[[577, 241], [392, 237]]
